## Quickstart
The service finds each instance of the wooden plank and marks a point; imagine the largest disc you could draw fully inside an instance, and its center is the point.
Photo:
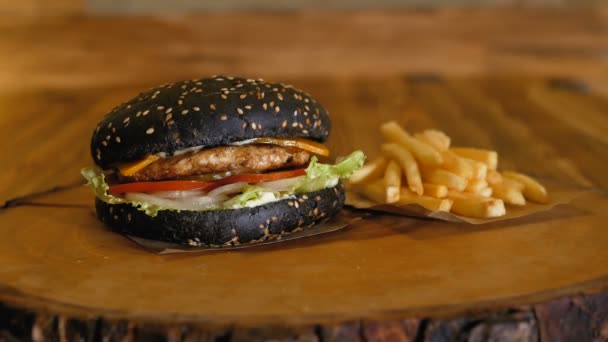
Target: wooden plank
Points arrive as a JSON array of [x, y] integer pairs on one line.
[[92, 51], [62, 260]]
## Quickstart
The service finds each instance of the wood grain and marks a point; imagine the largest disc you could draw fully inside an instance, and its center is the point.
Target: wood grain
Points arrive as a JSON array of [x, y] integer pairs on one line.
[[63, 260], [529, 83], [74, 50]]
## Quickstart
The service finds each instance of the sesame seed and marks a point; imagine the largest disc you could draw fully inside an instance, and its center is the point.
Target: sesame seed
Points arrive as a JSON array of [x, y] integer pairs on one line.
[[318, 198], [223, 118], [108, 137], [307, 108], [280, 96], [305, 113], [126, 120], [184, 86], [113, 129], [160, 107], [212, 106], [290, 203], [170, 123], [223, 96], [277, 109], [242, 96], [219, 79], [271, 103], [169, 110], [240, 111], [295, 124], [97, 129], [150, 130], [284, 123], [244, 125], [307, 121], [239, 85], [117, 139], [196, 109], [145, 112], [275, 89], [296, 204], [104, 143], [168, 117], [262, 95], [110, 125], [305, 197], [295, 112], [305, 131], [253, 125], [180, 102], [265, 106], [248, 107]]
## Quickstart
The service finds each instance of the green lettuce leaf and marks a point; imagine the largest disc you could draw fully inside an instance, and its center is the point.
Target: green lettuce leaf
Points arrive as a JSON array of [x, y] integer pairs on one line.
[[320, 176], [251, 196]]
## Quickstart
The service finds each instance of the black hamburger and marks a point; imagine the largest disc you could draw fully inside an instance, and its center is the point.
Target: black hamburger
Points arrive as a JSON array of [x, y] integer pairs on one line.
[[216, 162]]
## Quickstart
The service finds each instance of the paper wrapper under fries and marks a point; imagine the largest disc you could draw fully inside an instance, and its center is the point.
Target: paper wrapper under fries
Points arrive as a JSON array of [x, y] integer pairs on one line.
[[422, 175]]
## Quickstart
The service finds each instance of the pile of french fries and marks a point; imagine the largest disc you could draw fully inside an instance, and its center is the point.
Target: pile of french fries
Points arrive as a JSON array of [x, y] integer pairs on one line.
[[426, 170]]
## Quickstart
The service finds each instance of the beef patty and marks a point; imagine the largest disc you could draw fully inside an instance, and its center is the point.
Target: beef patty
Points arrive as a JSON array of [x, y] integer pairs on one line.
[[250, 158]]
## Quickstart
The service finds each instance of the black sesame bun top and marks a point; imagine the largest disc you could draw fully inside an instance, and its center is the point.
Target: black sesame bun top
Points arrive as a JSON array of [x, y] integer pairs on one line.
[[207, 112]]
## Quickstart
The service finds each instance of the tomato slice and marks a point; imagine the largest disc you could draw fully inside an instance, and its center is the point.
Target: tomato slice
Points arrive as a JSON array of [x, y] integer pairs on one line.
[[300, 143], [184, 185]]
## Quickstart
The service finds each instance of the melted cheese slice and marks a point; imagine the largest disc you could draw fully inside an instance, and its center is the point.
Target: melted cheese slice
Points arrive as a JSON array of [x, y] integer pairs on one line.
[[129, 169]]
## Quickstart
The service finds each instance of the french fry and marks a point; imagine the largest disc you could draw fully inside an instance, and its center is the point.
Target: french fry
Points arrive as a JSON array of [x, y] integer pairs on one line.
[[486, 192], [532, 190], [480, 170], [374, 191], [490, 158], [392, 180], [457, 165], [422, 152], [478, 207], [476, 185], [430, 203], [435, 190], [439, 140], [408, 164], [369, 171], [493, 177], [509, 192], [449, 179]]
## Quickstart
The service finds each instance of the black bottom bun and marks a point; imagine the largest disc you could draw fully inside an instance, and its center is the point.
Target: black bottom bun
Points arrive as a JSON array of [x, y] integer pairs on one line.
[[224, 227]]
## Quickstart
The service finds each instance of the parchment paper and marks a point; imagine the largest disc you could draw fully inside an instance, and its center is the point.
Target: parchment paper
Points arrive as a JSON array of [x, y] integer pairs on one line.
[[558, 193]]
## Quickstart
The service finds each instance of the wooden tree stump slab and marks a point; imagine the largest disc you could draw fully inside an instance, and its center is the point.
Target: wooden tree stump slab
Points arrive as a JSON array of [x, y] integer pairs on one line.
[[58, 259]]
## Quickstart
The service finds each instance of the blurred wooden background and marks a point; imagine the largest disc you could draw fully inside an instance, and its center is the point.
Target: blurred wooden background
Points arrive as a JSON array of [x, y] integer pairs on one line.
[[151, 6]]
